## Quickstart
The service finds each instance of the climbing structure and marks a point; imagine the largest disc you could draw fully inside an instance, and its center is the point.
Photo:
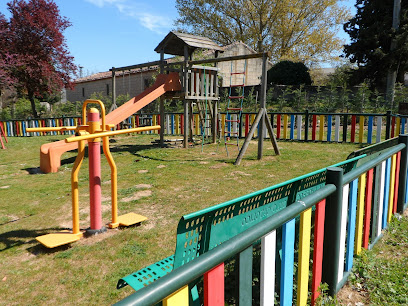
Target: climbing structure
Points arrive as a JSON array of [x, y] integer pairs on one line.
[[233, 115]]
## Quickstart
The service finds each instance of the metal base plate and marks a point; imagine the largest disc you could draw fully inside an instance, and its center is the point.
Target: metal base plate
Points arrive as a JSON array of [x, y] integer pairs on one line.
[[57, 239], [128, 220]]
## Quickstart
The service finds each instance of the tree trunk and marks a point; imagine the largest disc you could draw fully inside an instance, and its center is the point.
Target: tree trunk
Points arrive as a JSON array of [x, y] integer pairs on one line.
[[31, 98]]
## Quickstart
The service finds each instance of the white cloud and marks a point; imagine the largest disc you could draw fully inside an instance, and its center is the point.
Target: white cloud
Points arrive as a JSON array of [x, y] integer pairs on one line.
[[102, 3], [154, 22]]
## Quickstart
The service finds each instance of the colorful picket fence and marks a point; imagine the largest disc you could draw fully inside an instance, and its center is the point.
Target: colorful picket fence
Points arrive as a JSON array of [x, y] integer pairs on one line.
[[346, 213], [327, 127]]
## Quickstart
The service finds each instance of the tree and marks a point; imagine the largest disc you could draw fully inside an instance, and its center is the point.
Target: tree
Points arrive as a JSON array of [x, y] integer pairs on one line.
[[371, 34], [299, 30], [7, 60], [44, 65], [289, 73]]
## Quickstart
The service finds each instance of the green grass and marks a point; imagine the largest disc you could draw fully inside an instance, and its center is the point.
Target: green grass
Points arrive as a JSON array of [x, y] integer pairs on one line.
[[380, 276], [179, 181]]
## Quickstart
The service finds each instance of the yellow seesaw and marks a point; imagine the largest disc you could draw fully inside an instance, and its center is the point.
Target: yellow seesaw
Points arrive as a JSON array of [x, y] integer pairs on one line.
[[91, 131]]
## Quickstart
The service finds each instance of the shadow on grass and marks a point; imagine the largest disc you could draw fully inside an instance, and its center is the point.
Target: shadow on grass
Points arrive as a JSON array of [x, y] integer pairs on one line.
[[20, 237]]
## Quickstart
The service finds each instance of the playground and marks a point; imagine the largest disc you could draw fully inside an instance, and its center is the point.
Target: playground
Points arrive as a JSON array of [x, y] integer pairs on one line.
[[159, 183], [63, 244]]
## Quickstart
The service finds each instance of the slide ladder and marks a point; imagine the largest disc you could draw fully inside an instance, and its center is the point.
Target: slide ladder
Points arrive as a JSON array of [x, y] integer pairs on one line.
[[234, 113]]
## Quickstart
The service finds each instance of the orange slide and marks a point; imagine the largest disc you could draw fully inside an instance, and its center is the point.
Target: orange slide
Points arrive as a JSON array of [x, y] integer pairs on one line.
[[50, 153]]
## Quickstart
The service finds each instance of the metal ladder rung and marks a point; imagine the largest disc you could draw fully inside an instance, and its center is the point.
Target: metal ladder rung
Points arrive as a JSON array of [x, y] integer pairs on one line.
[[235, 108], [231, 144], [232, 120], [228, 132], [236, 97], [237, 72], [237, 85]]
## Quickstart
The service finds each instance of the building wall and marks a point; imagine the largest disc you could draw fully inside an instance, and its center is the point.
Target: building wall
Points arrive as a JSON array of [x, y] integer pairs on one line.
[[126, 83], [252, 67]]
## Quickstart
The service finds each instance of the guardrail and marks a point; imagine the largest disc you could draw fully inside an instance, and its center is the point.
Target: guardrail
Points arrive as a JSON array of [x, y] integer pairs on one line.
[[347, 214]]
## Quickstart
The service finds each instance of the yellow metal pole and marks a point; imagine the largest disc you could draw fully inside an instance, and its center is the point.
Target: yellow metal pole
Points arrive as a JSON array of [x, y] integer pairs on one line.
[[74, 187], [111, 133], [114, 182], [51, 129]]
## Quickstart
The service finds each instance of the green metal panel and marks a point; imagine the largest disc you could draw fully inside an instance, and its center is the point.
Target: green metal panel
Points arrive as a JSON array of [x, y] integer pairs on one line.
[[147, 275], [201, 231], [204, 230]]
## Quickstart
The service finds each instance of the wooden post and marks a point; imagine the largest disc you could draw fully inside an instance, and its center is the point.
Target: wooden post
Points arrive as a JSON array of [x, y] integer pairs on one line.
[[113, 89], [162, 101], [185, 85], [263, 106]]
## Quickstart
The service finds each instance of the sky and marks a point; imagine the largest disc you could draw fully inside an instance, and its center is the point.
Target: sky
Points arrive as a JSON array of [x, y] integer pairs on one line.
[[117, 33]]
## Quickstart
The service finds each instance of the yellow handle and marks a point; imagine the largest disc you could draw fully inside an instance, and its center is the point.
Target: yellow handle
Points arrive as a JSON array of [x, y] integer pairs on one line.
[[99, 102], [111, 133], [51, 129]]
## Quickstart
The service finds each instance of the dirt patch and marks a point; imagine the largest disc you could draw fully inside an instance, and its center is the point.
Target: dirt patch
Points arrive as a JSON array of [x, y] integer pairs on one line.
[[143, 186], [218, 166], [97, 238], [203, 162], [4, 187], [142, 171], [138, 195], [349, 295], [233, 173], [161, 166]]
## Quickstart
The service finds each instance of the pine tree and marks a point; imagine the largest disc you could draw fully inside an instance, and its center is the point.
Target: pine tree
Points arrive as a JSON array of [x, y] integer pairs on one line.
[[371, 34]]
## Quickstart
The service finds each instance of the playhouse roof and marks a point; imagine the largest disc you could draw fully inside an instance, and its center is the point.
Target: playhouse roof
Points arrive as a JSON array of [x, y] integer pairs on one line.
[[174, 43]]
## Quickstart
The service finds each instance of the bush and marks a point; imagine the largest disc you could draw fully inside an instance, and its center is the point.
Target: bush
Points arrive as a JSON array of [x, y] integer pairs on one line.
[[289, 73]]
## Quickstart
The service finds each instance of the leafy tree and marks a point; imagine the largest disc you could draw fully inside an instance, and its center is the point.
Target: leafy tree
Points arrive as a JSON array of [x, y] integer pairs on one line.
[[371, 34], [289, 73], [44, 65], [7, 59], [304, 30]]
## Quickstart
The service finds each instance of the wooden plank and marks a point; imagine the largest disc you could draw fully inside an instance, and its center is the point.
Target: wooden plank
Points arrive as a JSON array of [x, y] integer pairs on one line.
[[318, 249], [178, 298], [304, 257], [381, 200], [321, 127], [397, 172], [392, 187], [245, 276], [379, 126], [329, 127], [337, 128], [361, 129], [214, 286], [360, 214], [288, 250], [299, 127], [367, 207], [386, 192], [268, 253], [292, 127], [351, 225], [370, 130], [398, 126], [343, 228], [353, 129], [314, 124], [285, 126]]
